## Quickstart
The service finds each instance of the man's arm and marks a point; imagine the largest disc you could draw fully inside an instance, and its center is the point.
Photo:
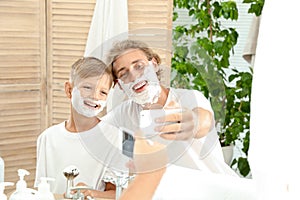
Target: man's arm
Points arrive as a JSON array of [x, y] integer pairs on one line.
[[143, 186], [203, 120]]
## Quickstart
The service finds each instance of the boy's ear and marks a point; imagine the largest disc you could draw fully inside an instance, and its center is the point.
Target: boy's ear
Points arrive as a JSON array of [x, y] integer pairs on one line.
[[68, 89]]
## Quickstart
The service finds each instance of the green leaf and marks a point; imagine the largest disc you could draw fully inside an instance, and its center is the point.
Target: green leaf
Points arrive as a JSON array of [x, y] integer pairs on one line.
[[243, 166], [181, 51]]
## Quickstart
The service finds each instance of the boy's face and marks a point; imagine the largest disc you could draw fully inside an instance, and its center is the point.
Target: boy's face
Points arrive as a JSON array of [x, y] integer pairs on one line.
[[95, 88], [137, 77], [89, 95]]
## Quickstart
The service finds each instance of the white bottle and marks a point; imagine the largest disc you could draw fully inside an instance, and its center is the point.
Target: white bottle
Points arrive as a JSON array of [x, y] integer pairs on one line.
[[1, 170], [44, 192], [2, 187], [22, 192]]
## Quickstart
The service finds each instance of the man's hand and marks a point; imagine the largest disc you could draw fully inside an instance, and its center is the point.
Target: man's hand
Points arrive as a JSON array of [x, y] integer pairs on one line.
[[185, 125], [149, 159], [91, 193], [85, 190]]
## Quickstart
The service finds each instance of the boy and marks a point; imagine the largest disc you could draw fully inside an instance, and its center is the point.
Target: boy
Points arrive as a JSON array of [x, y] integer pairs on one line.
[[61, 145]]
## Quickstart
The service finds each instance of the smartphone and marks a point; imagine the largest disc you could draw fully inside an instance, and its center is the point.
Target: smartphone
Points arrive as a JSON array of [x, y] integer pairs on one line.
[[147, 119], [127, 142]]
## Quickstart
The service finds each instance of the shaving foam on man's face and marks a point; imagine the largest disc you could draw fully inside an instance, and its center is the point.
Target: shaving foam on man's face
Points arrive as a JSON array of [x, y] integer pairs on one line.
[[145, 89]]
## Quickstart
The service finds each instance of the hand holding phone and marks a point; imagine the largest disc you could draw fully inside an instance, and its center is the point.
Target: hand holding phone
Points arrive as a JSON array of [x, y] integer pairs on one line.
[[147, 121]]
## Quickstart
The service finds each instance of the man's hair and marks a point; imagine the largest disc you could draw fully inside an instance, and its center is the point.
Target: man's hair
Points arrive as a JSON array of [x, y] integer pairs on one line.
[[89, 67], [122, 47]]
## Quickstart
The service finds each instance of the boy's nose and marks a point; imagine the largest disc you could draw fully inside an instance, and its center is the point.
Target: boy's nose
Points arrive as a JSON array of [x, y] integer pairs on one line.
[[96, 95]]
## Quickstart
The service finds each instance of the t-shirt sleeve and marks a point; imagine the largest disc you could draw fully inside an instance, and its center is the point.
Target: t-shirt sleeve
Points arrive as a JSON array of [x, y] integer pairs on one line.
[[112, 117], [41, 159], [193, 99]]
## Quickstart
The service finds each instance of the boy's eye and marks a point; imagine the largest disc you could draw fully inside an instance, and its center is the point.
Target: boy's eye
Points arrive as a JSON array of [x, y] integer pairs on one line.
[[103, 93], [87, 87]]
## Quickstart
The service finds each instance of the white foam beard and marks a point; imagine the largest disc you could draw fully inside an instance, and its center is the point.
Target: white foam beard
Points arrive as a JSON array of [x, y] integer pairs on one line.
[[150, 94], [85, 106]]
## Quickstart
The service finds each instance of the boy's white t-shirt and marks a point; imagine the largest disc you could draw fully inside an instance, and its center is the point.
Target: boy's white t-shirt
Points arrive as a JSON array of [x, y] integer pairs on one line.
[[58, 148]]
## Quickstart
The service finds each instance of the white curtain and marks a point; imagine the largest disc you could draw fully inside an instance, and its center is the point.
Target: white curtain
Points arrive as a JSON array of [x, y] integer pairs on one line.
[[275, 105], [250, 47], [110, 21]]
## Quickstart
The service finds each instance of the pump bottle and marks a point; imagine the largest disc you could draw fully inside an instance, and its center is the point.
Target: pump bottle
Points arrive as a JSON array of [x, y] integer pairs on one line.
[[22, 192], [44, 192]]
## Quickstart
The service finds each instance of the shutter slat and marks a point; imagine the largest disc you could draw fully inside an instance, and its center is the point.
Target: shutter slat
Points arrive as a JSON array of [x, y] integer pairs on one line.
[[22, 69]]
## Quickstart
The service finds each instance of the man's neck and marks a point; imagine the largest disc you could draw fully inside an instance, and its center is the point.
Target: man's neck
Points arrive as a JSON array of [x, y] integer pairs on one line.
[[162, 99]]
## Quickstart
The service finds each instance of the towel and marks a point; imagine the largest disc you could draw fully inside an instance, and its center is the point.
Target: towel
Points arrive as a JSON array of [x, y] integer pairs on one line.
[[250, 47], [110, 21]]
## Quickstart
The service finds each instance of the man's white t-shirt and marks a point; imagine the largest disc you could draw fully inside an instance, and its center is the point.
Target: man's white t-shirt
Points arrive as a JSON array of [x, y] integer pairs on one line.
[[203, 154], [58, 148]]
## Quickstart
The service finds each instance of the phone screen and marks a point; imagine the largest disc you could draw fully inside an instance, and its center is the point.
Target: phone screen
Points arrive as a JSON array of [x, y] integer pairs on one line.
[[127, 143]]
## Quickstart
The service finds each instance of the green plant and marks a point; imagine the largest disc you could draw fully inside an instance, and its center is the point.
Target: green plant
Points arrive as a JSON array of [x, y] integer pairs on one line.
[[200, 61]]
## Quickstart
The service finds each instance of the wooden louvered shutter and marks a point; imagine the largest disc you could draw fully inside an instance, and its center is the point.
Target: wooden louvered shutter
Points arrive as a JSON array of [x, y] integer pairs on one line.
[[154, 20], [69, 23], [36, 56], [22, 84]]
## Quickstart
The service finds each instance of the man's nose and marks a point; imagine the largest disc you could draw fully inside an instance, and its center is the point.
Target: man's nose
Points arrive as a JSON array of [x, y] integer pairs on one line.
[[133, 75]]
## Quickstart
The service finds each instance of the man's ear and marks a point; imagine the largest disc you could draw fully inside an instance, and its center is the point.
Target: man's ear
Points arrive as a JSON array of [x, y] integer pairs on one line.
[[68, 89], [154, 61], [120, 86]]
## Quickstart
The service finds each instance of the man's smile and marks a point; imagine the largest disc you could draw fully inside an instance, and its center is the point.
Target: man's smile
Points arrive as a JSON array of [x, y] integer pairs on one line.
[[140, 86]]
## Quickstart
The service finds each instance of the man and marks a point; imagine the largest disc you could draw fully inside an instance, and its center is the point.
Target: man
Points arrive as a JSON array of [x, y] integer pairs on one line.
[[135, 68], [185, 141]]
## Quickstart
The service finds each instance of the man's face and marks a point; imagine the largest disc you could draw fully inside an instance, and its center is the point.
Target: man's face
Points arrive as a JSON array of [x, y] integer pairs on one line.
[[137, 77], [129, 66]]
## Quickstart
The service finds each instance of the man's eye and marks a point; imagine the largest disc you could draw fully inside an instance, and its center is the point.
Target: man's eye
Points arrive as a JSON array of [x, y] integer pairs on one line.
[[140, 66], [123, 75]]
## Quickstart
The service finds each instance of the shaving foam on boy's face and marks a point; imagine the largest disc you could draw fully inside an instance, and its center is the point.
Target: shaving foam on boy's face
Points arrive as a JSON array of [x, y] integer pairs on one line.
[[145, 89], [86, 106], [89, 95]]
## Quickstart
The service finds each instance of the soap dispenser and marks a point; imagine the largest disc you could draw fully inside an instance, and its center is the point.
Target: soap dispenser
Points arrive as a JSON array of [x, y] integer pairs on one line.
[[44, 192], [2, 187], [22, 192]]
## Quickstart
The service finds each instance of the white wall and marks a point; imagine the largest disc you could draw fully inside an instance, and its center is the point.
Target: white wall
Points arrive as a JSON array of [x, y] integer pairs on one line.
[[242, 26]]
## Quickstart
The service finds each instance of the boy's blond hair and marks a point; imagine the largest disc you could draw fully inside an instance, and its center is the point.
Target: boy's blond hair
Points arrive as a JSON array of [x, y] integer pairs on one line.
[[89, 67]]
